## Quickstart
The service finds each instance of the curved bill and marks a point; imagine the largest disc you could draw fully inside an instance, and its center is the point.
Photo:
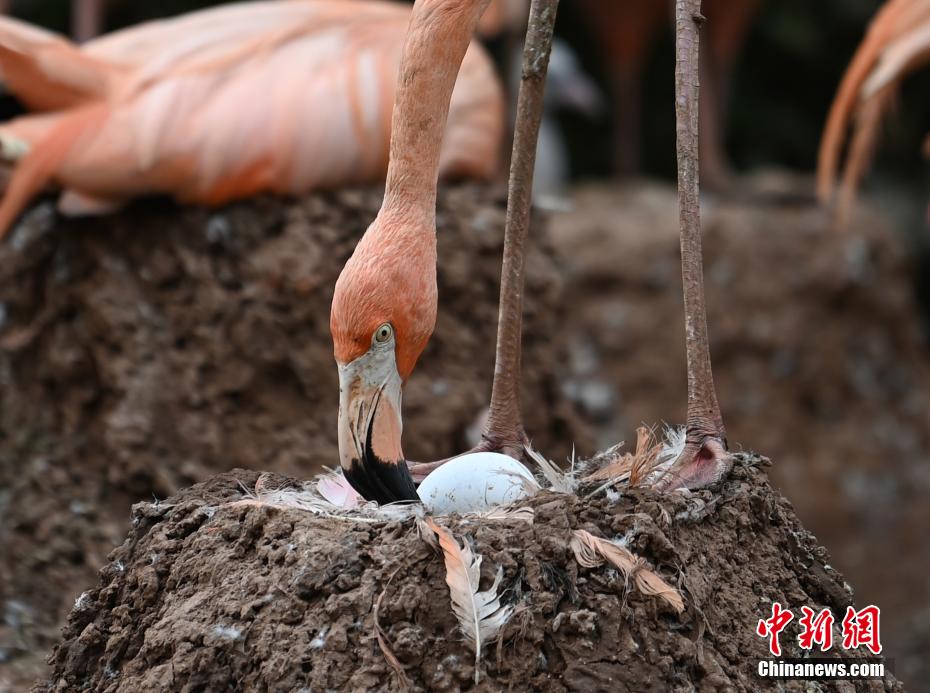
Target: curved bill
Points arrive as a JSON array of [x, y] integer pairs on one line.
[[370, 427]]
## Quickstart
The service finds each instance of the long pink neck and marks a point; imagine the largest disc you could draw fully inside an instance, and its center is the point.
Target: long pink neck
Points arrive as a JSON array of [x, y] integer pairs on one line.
[[437, 38]]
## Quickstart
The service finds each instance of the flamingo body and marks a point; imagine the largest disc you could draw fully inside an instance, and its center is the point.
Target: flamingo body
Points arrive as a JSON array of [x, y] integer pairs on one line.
[[224, 103]]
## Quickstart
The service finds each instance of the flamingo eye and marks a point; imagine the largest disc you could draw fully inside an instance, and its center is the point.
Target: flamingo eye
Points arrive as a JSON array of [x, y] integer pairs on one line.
[[384, 333]]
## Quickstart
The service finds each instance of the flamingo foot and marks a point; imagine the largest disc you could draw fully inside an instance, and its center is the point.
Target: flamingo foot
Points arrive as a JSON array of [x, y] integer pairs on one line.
[[703, 462]]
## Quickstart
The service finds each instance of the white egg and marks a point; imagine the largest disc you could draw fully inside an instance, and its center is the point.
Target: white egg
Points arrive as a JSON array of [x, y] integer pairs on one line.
[[476, 482]]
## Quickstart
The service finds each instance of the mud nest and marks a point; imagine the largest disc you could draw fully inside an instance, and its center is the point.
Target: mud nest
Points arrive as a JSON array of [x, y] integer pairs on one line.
[[146, 351], [208, 595], [818, 358]]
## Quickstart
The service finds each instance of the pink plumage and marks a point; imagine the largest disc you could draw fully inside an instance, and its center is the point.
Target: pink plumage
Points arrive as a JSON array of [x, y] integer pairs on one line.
[[224, 103]]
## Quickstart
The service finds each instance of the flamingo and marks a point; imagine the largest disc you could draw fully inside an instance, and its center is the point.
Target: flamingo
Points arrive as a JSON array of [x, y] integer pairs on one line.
[[224, 103], [385, 301], [896, 44], [627, 29], [86, 17]]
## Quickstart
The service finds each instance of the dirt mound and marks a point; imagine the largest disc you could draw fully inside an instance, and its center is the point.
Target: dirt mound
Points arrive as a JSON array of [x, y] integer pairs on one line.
[[157, 348], [207, 595], [150, 350], [818, 357]]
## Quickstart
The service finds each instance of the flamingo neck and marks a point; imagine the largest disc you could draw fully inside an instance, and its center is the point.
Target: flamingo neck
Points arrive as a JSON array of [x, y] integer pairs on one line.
[[437, 38]]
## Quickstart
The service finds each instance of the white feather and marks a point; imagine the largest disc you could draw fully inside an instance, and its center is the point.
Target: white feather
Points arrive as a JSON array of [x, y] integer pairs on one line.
[[480, 614], [675, 439], [559, 481]]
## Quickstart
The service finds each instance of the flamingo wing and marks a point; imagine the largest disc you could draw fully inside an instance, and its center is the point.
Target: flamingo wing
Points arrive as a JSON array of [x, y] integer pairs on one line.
[[249, 97], [48, 72], [896, 43]]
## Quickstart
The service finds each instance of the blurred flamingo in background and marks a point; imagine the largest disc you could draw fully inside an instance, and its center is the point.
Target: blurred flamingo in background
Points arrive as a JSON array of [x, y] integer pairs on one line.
[[896, 44], [627, 29], [225, 103], [86, 17], [569, 89]]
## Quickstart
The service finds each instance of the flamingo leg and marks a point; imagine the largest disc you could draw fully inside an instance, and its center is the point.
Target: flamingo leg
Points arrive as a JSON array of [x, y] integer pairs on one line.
[[704, 459], [86, 19], [503, 431], [626, 31], [728, 25], [716, 173]]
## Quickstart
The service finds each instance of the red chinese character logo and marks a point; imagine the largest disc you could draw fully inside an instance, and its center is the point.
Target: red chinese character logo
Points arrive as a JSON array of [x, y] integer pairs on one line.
[[862, 628], [816, 629], [771, 627]]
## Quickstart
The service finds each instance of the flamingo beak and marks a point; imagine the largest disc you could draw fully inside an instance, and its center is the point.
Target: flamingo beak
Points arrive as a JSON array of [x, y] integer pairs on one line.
[[370, 428]]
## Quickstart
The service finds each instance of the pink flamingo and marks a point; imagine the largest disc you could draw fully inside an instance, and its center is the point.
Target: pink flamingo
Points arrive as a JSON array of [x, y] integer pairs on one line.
[[225, 103], [86, 17], [385, 302], [627, 30]]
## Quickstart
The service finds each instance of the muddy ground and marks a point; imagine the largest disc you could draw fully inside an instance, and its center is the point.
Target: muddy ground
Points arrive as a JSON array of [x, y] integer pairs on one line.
[[145, 352], [207, 595], [818, 354]]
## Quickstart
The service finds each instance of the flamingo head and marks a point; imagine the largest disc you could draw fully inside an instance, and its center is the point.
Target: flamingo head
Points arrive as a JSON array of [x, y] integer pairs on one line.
[[383, 313]]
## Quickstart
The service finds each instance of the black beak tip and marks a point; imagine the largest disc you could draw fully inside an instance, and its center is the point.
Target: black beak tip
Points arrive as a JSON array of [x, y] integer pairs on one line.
[[384, 482]]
